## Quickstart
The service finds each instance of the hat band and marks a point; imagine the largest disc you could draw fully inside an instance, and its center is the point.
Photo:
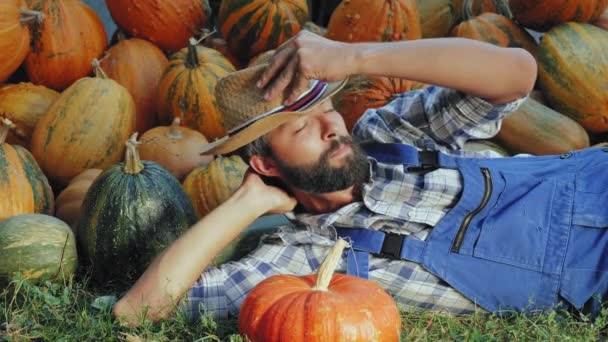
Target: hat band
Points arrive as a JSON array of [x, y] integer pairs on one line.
[[304, 101]]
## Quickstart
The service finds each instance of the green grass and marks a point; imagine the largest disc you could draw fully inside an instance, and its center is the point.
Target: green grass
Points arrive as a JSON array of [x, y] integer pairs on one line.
[[74, 312]]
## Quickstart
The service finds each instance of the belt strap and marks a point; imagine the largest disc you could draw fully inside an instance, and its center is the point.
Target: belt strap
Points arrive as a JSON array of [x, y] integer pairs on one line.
[[385, 245], [411, 158]]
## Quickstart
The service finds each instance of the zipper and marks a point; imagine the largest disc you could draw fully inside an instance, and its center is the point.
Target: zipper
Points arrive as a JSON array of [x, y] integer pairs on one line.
[[467, 220]]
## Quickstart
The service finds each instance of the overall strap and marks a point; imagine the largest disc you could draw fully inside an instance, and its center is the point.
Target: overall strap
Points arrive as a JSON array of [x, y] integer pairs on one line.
[[386, 245], [411, 158]]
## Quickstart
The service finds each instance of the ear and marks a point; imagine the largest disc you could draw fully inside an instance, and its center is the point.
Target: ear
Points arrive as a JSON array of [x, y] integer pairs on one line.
[[264, 166]]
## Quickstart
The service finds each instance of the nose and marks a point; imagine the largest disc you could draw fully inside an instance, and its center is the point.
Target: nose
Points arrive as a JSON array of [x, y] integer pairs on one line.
[[329, 129]]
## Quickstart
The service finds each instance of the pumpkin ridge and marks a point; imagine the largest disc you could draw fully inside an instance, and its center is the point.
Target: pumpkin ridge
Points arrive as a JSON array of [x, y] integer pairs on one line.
[[41, 190]]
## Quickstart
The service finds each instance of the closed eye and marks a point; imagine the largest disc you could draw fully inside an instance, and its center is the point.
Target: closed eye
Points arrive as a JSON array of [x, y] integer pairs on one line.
[[302, 127]]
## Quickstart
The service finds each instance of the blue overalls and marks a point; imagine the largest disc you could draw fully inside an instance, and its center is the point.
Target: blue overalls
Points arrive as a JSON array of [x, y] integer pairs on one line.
[[526, 233]]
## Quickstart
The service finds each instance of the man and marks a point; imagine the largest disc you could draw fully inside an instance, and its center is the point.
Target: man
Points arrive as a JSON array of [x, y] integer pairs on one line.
[[294, 137]]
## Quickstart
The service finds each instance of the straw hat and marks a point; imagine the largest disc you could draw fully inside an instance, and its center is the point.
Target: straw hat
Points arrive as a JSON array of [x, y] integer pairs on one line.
[[247, 116]]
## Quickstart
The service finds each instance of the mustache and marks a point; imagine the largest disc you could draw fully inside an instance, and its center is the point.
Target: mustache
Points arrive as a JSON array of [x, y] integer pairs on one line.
[[335, 144]]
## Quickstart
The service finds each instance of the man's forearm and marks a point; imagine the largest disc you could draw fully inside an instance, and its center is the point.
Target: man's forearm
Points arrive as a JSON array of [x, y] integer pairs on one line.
[[174, 271], [498, 75]]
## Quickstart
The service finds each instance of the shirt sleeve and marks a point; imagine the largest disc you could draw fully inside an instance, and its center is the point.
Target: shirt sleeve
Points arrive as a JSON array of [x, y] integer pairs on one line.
[[445, 116]]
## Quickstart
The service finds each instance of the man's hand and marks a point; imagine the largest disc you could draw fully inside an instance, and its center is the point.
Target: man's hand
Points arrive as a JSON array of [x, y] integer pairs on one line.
[[278, 200], [305, 57]]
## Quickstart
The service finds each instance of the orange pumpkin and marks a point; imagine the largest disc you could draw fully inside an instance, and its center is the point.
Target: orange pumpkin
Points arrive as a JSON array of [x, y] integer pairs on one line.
[[138, 65], [602, 21], [64, 44], [209, 186], [494, 28], [253, 26], [167, 24], [320, 307], [14, 35], [24, 104], [176, 148], [70, 199], [24, 188], [374, 21], [364, 92], [542, 15], [187, 89], [437, 17], [85, 128]]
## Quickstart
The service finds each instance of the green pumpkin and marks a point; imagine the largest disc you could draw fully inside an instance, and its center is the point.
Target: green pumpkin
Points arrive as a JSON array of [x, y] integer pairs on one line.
[[130, 214], [38, 246]]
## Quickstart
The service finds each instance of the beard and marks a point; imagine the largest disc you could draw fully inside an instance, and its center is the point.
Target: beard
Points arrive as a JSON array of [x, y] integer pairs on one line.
[[321, 177]]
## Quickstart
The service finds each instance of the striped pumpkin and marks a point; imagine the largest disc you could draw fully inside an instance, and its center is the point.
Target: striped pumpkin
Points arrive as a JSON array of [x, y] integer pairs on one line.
[[494, 28], [14, 35], [542, 15], [85, 128], [374, 21], [167, 24], [40, 247], [24, 104], [573, 73], [64, 44], [24, 188], [138, 65], [187, 87], [209, 186], [364, 92], [131, 213], [253, 26], [437, 17]]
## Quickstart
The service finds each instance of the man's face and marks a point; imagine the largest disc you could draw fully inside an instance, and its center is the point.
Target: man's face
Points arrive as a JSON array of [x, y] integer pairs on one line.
[[316, 154]]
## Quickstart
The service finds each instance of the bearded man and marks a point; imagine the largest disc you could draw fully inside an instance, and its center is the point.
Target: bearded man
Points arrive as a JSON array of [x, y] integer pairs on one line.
[[439, 228]]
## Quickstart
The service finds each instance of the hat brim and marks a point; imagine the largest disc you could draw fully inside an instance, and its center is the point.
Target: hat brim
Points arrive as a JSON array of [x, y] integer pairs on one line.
[[263, 126]]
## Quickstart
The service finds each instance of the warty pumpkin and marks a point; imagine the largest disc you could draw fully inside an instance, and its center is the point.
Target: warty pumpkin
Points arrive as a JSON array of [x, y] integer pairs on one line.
[[497, 29], [69, 201], [374, 21], [167, 24], [175, 148], [539, 130], [38, 246], [24, 104], [63, 45], [364, 92], [602, 21], [573, 73], [14, 34], [209, 186], [24, 188], [320, 307], [85, 128], [131, 213], [437, 17], [138, 65], [251, 27], [187, 89], [542, 15]]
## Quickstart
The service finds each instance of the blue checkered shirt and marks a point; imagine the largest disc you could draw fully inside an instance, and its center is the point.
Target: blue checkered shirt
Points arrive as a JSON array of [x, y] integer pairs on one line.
[[392, 200]]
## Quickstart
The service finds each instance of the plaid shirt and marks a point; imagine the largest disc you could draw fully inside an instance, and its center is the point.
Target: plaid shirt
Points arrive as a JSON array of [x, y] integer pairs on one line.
[[406, 203]]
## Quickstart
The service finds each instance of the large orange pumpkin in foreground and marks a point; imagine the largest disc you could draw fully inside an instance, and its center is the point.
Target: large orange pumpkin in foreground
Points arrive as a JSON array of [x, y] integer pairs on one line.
[[251, 27], [167, 24], [374, 21], [63, 45], [321, 307], [187, 89], [542, 15], [14, 35], [138, 65]]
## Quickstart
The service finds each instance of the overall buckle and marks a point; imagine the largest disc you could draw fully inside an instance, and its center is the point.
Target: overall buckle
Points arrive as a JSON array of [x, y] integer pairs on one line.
[[429, 160], [391, 246]]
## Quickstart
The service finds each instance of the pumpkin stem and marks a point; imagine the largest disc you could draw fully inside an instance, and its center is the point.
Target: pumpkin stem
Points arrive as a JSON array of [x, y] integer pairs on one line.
[[4, 128], [502, 7], [28, 16], [192, 57], [328, 267], [174, 131], [206, 34], [98, 70], [133, 164], [467, 10]]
